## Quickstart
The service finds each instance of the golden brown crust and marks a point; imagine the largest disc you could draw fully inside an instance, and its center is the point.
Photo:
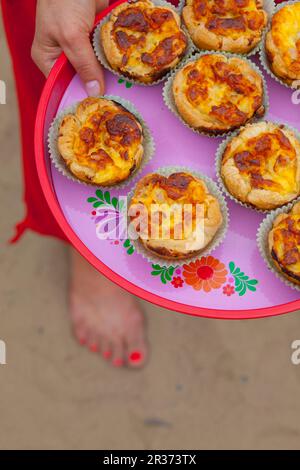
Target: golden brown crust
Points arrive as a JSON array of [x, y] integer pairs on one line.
[[158, 196], [261, 165], [101, 143], [225, 25], [284, 244], [143, 41], [216, 93], [283, 43]]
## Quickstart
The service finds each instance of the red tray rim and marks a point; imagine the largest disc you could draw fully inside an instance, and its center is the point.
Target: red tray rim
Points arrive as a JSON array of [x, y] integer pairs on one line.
[[41, 158]]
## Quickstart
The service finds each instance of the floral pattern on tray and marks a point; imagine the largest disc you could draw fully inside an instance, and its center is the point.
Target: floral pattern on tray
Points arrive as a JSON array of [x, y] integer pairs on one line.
[[205, 274]]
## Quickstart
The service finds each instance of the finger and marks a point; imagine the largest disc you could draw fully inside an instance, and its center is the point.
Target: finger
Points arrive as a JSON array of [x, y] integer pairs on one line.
[[101, 4], [43, 60], [81, 55]]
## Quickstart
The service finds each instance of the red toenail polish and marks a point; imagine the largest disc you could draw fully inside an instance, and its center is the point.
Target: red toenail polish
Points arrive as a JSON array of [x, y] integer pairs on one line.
[[118, 362], [94, 348], [135, 356], [107, 354], [82, 341]]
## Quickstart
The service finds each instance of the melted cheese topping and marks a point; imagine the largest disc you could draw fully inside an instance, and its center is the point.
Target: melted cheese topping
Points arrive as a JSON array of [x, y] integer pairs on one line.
[[148, 37], [230, 18], [162, 194], [286, 244], [217, 87], [102, 142], [285, 32], [268, 161]]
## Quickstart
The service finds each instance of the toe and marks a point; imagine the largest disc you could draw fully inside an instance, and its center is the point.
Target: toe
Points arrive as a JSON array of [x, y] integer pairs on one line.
[[106, 349], [93, 342], [136, 354], [80, 333], [136, 347], [118, 353]]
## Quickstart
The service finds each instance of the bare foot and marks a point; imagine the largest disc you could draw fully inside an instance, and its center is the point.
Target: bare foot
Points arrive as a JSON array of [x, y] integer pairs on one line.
[[105, 318]]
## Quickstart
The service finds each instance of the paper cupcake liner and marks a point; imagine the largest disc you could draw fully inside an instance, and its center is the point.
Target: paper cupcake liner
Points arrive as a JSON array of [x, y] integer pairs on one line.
[[148, 144], [218, 162], [263, 53], [269, 7], [217, 240], [170, 102], [99, 51], [262, 243]]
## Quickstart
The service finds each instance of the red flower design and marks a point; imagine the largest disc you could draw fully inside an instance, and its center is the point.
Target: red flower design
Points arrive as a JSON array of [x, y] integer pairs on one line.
[[177, 282], [207, 273], [228, 290]]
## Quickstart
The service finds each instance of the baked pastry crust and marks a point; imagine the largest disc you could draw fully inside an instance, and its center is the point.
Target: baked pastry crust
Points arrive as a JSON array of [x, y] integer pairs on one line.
[[284, 244], [225, 25], [261, 165], [283, 43], [101, 143], [163, 194], [216, 93], [143, 41]]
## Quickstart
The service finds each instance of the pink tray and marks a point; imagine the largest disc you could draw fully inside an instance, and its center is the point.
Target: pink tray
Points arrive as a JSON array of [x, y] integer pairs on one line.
[[262, 294]]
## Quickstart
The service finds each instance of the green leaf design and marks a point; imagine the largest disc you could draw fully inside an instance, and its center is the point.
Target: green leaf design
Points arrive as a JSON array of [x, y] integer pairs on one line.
[[129, 246], [105, 199], [165, 273], [98, 204], [99, 194], [121, 205], [115, 202], [127, 243], [127, 84], [241, 280]]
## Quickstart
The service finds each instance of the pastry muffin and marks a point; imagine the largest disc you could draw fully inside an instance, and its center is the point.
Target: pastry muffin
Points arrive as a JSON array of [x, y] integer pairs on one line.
[[283, 43], [217, 93], [175, 216], [101, 143], [143, 41], [284, 244], [261, 165], [225, 25]]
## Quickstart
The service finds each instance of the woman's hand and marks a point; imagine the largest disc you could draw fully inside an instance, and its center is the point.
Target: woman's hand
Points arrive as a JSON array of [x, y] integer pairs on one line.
[[66, 26]]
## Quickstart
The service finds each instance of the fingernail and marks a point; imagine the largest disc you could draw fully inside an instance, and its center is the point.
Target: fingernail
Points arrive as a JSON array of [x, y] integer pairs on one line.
[[135, 356], [93, 88], [94, 348], [106, 354], [118, 362]]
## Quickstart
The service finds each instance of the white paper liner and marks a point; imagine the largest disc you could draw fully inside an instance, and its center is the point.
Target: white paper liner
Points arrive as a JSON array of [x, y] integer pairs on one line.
[[219, 154], [58, 161], [269, 7], [262, 243], [99, 51], [263, 54], [170, 102], [216, 241]]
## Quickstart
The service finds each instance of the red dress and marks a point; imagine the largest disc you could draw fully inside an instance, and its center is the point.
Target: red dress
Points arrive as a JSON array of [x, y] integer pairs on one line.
[[19, 21]]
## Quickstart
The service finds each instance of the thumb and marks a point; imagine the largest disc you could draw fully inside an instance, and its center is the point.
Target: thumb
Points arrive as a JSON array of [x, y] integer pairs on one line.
[[81, 55]]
